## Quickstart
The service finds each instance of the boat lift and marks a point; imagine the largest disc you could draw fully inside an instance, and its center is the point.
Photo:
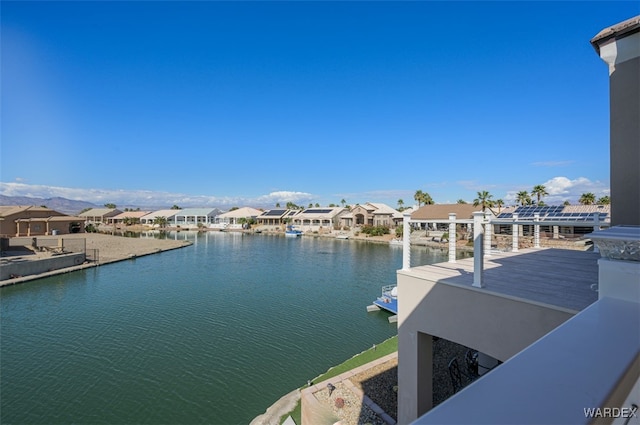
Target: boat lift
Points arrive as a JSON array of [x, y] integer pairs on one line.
[[387, 301]]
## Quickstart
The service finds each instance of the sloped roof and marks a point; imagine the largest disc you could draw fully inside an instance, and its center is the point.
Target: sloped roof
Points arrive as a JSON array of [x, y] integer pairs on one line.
[[160, 213], [9, 210], [442, 211], [383, 209], [211, 212], [100, 212], [319, 213], [243, 212], [62, 218], [133, 214], [275, 213]]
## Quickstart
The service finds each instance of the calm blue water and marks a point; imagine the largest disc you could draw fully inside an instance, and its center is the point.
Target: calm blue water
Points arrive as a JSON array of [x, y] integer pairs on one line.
[[212, 333]]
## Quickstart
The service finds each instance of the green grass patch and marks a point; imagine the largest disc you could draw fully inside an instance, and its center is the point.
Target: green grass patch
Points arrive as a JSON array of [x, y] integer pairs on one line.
[[387, 347]]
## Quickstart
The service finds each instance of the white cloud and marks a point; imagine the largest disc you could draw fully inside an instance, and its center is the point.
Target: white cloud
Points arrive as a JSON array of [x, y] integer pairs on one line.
[[144, 198], [562, 189]]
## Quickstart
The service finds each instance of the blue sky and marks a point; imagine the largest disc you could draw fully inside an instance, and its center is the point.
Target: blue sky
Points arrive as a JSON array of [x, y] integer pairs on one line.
[[253, 103]]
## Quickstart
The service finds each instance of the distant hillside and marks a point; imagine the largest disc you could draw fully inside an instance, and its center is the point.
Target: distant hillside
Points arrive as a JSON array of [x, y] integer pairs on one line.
[[63, 205]]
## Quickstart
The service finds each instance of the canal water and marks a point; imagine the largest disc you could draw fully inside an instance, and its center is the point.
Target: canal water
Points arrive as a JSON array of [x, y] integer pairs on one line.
[[213, 333]]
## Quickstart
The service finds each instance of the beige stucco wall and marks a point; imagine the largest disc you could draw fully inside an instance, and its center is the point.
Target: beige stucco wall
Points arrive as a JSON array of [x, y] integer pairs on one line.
[[497, 325]]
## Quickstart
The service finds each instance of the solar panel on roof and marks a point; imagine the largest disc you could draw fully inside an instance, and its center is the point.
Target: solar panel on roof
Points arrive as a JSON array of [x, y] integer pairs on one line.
[[274, 212], [318, 211]]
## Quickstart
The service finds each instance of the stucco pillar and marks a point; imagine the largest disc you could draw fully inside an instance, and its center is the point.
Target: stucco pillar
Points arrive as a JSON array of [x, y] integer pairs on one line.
[[478, 248], [515, 233], [618, 47], [406, 241], [415, 375], [487, 237], [556, 232], [619, 267], [536, 231], [452, 237]]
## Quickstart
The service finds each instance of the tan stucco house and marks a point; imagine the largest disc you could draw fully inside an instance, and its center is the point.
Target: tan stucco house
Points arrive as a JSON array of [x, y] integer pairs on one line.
[[18, 220], [371, 214]]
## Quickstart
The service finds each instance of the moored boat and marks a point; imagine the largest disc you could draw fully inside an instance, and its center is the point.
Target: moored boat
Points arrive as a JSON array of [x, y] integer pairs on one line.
[[291, 232]]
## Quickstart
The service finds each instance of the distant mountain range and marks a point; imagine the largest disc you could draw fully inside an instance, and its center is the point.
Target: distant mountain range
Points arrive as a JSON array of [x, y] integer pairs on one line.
[[63, 205], [69, 206]]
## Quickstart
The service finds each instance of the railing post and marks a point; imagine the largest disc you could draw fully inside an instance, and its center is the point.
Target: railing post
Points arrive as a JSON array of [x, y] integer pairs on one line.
[[596, 227], [536, 231], [478, 255], [487, 236], [406, 241], [452, 237], [515, 233]]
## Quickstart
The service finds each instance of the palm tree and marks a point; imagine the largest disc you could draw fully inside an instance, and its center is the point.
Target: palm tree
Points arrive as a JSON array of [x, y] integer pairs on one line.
[[427, 199], [277, 204], [160, 221], [565, 203], [499, 203], [587, 198], [484, 199], [604, 200], [418, 196], [523, 198], [539, 191], [400, 204], [343, 202], [461, 201]]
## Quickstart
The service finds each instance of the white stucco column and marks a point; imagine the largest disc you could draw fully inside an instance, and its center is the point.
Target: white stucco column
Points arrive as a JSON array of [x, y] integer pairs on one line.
[[487, 236], [536, 231], [478, 248], [452, 237], [515, 233], [619, 267], [406, 241], [556, 232]]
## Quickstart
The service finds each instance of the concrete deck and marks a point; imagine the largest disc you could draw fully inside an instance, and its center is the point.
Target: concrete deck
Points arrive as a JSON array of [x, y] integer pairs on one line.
[[559, 277]]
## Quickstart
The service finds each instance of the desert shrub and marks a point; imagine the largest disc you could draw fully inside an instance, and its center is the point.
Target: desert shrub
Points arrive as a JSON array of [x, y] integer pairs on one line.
[[375, 230]]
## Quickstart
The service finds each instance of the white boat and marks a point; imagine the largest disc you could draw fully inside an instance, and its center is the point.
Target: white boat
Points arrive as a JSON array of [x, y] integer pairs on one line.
[[293, 233], [396, 242], [218, 226], [342, 236]]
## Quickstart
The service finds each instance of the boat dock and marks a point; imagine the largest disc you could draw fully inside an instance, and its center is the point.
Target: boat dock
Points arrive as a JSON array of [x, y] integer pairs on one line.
[[387, 301]]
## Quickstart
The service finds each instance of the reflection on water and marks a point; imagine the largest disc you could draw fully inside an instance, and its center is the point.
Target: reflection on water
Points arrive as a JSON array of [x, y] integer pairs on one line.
[[211, 333]]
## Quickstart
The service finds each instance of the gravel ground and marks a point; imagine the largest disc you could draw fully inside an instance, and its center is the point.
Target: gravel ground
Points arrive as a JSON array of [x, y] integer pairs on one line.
[[380, 384], [115, 248]]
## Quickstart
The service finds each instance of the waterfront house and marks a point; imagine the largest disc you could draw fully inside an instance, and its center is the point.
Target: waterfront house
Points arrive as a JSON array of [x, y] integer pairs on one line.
[[149, 219], [235, 219], [35, 221], [128, 217], [318, 219], [565, 324], [371, 214], [436, 216], [99, 215], [276, 217], [195, 217]]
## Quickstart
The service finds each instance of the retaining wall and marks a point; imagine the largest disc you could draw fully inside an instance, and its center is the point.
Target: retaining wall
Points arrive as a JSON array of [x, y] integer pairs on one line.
[[28, 267]]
